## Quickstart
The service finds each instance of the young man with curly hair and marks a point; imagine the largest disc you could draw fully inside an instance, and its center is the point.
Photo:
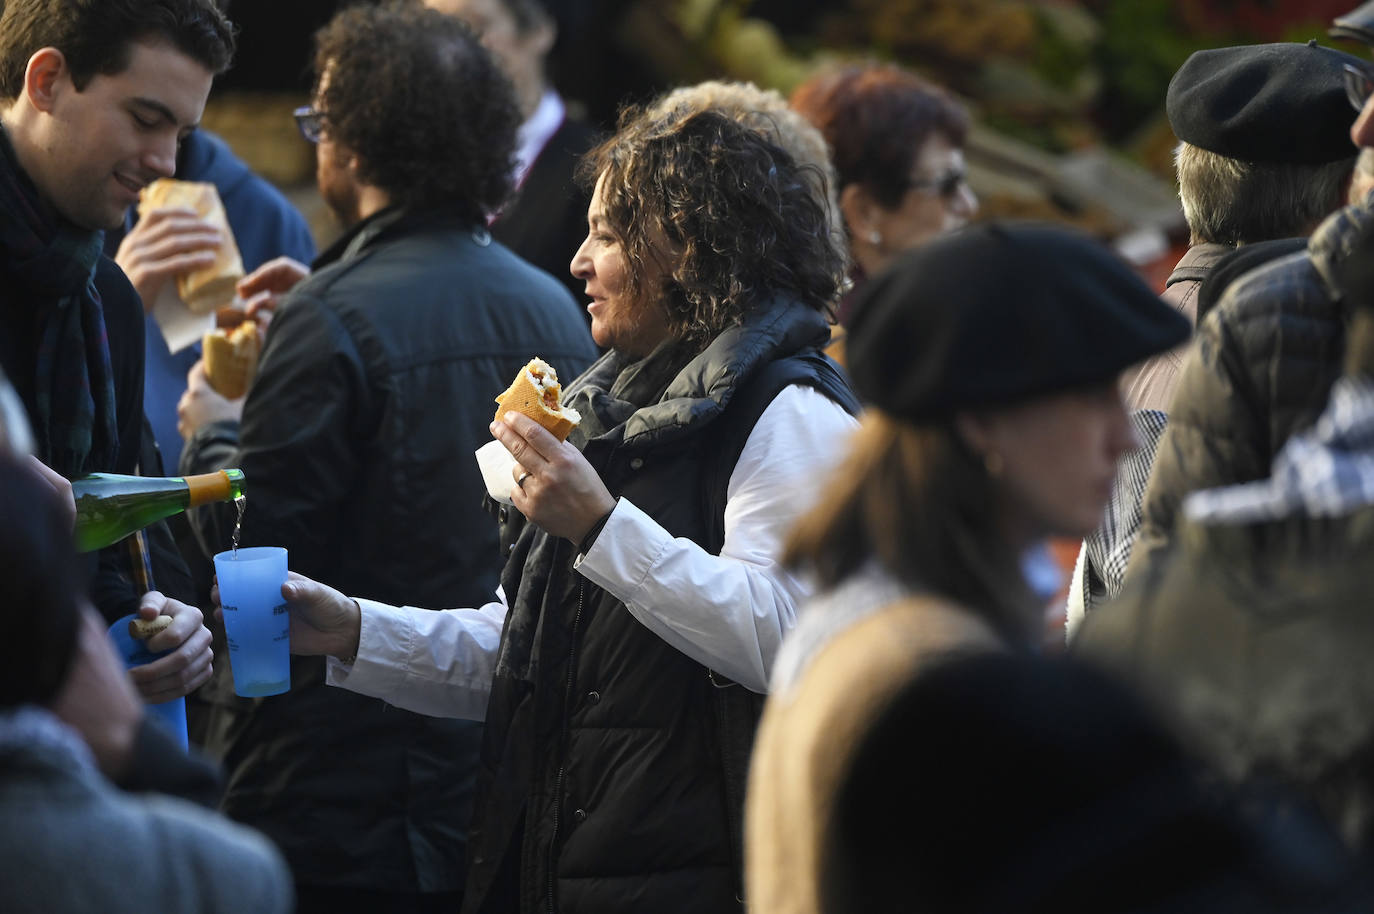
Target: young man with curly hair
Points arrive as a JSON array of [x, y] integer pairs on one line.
[[375, 388]]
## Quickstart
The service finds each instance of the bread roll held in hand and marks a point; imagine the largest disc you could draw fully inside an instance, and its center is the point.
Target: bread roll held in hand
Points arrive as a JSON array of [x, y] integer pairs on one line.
[[231, 358], [213, 287], [536, 393]]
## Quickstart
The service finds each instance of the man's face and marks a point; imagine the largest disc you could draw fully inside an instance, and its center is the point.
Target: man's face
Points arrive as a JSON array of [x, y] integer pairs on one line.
[[98, 147], [334, 175], [519, 54]]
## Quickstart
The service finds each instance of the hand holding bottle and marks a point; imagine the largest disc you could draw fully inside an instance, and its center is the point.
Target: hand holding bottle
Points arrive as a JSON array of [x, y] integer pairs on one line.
[[323, 620], [188, 666]]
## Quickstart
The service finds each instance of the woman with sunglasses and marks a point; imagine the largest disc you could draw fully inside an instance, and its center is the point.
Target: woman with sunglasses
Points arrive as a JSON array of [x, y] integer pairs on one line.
[[897, 143]]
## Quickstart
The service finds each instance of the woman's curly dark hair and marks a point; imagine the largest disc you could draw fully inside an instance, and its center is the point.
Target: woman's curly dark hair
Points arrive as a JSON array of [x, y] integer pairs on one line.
[[739, 216], [422, 104]]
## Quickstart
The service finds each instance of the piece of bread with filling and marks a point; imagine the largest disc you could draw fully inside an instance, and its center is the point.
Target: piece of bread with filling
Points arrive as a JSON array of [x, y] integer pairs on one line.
[[213, 287], [536, 393], [231, 358]]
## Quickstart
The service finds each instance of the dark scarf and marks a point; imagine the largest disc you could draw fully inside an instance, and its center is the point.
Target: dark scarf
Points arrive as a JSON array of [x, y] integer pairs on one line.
[[616, 387], [54, 263]]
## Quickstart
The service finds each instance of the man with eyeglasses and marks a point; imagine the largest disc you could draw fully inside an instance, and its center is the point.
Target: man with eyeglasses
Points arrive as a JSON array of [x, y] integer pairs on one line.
[[375, 386], [1266, 355]]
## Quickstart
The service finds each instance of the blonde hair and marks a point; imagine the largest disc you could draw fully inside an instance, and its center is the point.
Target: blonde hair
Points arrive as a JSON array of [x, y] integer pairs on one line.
[[915, 499], [1230, 201]]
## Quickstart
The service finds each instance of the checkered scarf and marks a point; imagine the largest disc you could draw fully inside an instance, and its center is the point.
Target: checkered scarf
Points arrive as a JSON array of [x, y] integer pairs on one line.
[[52, 264]]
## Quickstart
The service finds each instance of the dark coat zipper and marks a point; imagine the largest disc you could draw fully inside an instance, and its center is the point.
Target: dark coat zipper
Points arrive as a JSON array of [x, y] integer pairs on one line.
[[558, 778]]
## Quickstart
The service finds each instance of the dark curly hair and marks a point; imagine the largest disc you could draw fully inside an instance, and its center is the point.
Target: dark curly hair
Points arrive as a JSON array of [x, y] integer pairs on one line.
[[739, 213], [876, 118], [422, 104], [96, 36]]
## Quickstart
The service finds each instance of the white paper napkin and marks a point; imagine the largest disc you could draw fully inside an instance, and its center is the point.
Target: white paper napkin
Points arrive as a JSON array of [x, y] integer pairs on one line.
[[496, 464]]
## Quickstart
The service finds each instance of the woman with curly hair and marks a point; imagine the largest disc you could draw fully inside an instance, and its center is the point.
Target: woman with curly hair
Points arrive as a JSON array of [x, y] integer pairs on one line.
[[620, 672]]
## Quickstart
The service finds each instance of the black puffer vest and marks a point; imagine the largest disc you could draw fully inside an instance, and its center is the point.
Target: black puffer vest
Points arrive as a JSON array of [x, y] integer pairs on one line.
[[603, 787]]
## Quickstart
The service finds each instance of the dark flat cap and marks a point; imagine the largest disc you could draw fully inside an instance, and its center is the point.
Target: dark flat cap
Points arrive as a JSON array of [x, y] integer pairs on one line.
[[1357, 25], [999, 313], [1265, 103]]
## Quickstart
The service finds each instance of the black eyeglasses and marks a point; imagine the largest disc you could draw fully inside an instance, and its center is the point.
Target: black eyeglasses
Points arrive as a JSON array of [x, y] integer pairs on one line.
[[1359, 83], [947, 186], [310, 122]]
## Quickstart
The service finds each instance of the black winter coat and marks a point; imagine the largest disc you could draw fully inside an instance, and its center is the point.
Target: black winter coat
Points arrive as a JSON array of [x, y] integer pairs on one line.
[[376, 385]]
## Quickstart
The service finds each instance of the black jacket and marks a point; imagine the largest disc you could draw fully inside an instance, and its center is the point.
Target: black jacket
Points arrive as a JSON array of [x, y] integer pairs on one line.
[[546, 220], [603, 783], [376, 386]]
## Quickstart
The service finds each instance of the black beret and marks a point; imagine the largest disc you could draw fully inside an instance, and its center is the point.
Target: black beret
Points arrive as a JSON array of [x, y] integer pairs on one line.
[[998, 313], [1265, 103]]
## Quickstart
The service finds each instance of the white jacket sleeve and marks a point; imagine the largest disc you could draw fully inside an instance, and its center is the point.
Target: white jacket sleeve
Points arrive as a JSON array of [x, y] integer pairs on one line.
[[730, 612]]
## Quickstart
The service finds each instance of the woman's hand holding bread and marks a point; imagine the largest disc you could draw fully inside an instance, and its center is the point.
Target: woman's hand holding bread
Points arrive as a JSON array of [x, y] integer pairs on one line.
[[562, 493]]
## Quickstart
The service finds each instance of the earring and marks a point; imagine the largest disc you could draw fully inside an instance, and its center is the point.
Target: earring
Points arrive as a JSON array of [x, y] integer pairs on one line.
[[874, 237], [992, 462]]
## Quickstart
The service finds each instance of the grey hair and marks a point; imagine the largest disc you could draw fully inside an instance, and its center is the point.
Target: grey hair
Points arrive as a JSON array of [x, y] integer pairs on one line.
[[1231, 201]]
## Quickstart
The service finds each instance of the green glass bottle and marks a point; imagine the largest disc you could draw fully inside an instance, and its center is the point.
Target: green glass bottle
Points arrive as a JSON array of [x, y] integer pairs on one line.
[[109, 507]]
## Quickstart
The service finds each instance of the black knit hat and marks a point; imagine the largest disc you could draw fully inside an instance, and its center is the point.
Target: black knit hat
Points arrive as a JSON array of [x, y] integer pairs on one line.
[[1281, 102], [41, 584], [999, 313]]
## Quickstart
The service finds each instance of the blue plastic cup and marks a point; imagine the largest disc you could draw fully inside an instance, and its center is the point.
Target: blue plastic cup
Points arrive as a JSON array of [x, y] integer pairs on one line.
[[255, 619], [170, 714]]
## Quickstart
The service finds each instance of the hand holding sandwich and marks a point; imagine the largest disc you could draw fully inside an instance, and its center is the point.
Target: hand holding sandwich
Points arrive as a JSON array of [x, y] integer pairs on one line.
[[166, 243], [562, 493], [201, 404], [264, 288]]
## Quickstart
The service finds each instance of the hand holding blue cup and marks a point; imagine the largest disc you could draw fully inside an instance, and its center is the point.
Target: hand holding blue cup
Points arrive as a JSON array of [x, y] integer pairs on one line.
[[256, 621]]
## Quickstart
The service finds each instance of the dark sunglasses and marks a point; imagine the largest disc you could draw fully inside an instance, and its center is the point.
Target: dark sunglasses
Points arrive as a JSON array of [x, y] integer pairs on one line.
[[947, 186], [1359, 83], [310, 122]]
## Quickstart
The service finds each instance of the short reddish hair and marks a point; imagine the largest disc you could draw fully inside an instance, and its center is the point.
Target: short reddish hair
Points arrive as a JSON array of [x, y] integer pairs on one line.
[[876, 118]]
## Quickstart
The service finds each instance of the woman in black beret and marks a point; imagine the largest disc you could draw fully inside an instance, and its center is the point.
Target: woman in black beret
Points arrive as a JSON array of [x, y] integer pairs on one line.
[[988, 361]]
